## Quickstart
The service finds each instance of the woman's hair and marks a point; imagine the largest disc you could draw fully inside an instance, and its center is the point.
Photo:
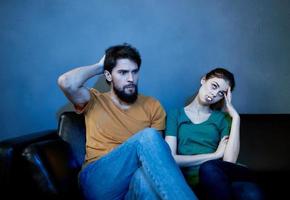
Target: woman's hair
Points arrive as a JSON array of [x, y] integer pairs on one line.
[[217, 73], [227, 76]]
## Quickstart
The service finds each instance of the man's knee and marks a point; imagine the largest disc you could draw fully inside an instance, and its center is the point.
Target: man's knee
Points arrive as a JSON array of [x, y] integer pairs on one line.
[[150, 134]]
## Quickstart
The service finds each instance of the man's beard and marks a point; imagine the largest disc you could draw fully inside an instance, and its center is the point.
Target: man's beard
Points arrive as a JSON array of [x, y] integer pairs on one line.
[[123, 96]]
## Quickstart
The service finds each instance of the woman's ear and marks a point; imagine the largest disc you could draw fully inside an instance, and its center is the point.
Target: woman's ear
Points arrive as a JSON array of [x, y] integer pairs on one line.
[[202, 81], [108, 75]]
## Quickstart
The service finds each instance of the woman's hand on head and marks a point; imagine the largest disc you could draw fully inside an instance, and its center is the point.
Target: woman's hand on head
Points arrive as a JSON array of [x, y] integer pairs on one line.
[[228, 104]]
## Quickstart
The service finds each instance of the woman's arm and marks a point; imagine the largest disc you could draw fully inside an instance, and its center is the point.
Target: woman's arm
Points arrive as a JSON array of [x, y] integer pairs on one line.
[[192, 160], [233, 146]]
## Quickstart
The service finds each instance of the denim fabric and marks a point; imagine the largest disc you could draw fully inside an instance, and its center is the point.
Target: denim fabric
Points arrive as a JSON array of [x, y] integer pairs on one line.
[[147, 153], [140, 187], [224, 180]]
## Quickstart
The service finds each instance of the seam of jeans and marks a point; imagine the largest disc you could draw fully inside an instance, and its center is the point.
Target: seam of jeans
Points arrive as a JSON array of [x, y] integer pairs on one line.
[[140, 151]]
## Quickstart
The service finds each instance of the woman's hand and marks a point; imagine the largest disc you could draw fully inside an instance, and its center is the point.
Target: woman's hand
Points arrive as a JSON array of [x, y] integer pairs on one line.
[[221, 147], [229, 106]]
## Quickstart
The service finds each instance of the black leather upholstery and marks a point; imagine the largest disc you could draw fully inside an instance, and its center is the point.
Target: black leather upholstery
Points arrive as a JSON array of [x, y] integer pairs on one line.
[[15, 179], [54, 169], [265, 141], [54, 164], [45, 165], [71, 129]]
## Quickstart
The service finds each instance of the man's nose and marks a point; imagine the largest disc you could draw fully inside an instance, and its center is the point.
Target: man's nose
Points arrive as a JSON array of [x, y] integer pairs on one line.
[[130, 77]]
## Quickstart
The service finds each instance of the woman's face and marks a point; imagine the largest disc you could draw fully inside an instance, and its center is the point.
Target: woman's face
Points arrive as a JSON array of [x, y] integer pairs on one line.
[[212, 90]]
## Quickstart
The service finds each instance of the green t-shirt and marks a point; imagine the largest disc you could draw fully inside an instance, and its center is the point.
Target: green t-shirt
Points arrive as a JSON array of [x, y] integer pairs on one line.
[[196, 138]]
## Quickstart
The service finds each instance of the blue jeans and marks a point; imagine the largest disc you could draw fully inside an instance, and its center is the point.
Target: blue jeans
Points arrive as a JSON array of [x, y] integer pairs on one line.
[[140, 168], [224, 180]]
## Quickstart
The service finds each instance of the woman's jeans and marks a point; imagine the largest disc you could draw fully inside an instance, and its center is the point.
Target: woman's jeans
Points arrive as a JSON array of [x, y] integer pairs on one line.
[[224, 180], [140, 168]]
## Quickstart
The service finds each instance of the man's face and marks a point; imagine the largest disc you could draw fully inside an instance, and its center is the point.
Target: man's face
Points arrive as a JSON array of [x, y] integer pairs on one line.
[[125, 77]]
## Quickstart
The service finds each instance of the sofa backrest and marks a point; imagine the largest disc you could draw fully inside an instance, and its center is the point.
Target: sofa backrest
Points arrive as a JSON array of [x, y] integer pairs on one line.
[[71, 128], [265, 141]]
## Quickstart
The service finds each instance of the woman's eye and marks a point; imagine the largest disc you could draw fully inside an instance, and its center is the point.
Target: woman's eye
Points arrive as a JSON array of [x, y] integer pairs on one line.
[[221, 94], [214, 86]]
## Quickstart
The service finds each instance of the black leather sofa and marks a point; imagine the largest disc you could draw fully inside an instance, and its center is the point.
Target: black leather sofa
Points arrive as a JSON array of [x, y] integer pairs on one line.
[[45, 165]]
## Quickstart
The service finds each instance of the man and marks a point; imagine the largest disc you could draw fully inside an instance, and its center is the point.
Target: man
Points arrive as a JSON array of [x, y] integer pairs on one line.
[[126, 157]]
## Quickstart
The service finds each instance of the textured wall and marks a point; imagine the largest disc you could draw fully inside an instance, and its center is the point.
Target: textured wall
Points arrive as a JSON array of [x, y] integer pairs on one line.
[[179, 41]]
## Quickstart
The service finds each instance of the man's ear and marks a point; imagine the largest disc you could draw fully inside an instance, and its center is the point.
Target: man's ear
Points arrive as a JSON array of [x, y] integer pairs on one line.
[[108, 75]]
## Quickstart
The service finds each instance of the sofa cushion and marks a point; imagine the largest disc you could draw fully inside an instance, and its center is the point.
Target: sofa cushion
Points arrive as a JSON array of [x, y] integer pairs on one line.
[[14, 178], [53, 167]]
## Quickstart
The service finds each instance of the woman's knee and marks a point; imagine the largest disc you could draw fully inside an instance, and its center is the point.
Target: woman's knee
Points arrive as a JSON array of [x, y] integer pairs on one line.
[[209, 166], [210, 171]]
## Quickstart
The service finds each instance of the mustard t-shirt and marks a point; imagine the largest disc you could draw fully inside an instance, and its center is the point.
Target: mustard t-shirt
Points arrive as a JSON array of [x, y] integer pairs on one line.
[[108, 126]]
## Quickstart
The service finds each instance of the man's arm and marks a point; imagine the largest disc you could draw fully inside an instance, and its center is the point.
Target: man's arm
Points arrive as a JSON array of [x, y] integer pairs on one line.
[[72, 82]]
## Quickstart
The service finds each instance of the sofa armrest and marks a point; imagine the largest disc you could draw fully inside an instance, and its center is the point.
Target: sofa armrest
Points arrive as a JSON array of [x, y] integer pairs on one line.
[[11, 171], [273, 183], [53, 168]]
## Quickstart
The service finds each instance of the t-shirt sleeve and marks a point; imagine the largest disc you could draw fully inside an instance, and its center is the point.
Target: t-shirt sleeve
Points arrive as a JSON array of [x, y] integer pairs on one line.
[[88, 105], [225, 125], [172, 123], [158, 116]]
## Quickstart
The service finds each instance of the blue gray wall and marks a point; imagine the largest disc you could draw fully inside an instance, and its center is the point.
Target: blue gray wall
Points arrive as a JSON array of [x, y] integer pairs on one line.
[[179, 42]]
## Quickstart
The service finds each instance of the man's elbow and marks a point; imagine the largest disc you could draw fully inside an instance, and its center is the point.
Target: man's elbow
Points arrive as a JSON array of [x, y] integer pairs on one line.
[[64, 83]]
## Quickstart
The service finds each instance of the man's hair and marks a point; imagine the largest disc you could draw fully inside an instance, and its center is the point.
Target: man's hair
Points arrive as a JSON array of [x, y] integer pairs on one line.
[[114, 53]]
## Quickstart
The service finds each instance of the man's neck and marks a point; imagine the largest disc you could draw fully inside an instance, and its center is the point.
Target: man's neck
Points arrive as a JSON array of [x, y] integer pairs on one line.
[[118, 102]]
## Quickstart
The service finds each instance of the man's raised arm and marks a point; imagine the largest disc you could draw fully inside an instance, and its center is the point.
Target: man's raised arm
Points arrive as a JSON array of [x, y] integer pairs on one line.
[[72, 82]]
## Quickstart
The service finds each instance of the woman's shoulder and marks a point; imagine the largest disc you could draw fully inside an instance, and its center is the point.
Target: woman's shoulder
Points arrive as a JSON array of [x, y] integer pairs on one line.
[[219, 114], [221, 117]]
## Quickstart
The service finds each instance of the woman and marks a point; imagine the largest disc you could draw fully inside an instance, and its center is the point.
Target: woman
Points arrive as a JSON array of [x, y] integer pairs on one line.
[[205, 141]]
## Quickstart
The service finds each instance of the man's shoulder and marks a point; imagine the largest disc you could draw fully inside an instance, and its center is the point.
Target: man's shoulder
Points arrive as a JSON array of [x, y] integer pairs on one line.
[[147, 100], [96, 93], [150, 104]]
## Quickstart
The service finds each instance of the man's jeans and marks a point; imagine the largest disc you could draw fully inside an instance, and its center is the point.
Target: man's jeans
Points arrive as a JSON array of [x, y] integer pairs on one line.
[[140, 168], [224, 180]]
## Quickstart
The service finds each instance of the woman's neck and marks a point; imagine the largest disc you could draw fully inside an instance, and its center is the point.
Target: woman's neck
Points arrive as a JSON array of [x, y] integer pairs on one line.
[[196, 106]]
